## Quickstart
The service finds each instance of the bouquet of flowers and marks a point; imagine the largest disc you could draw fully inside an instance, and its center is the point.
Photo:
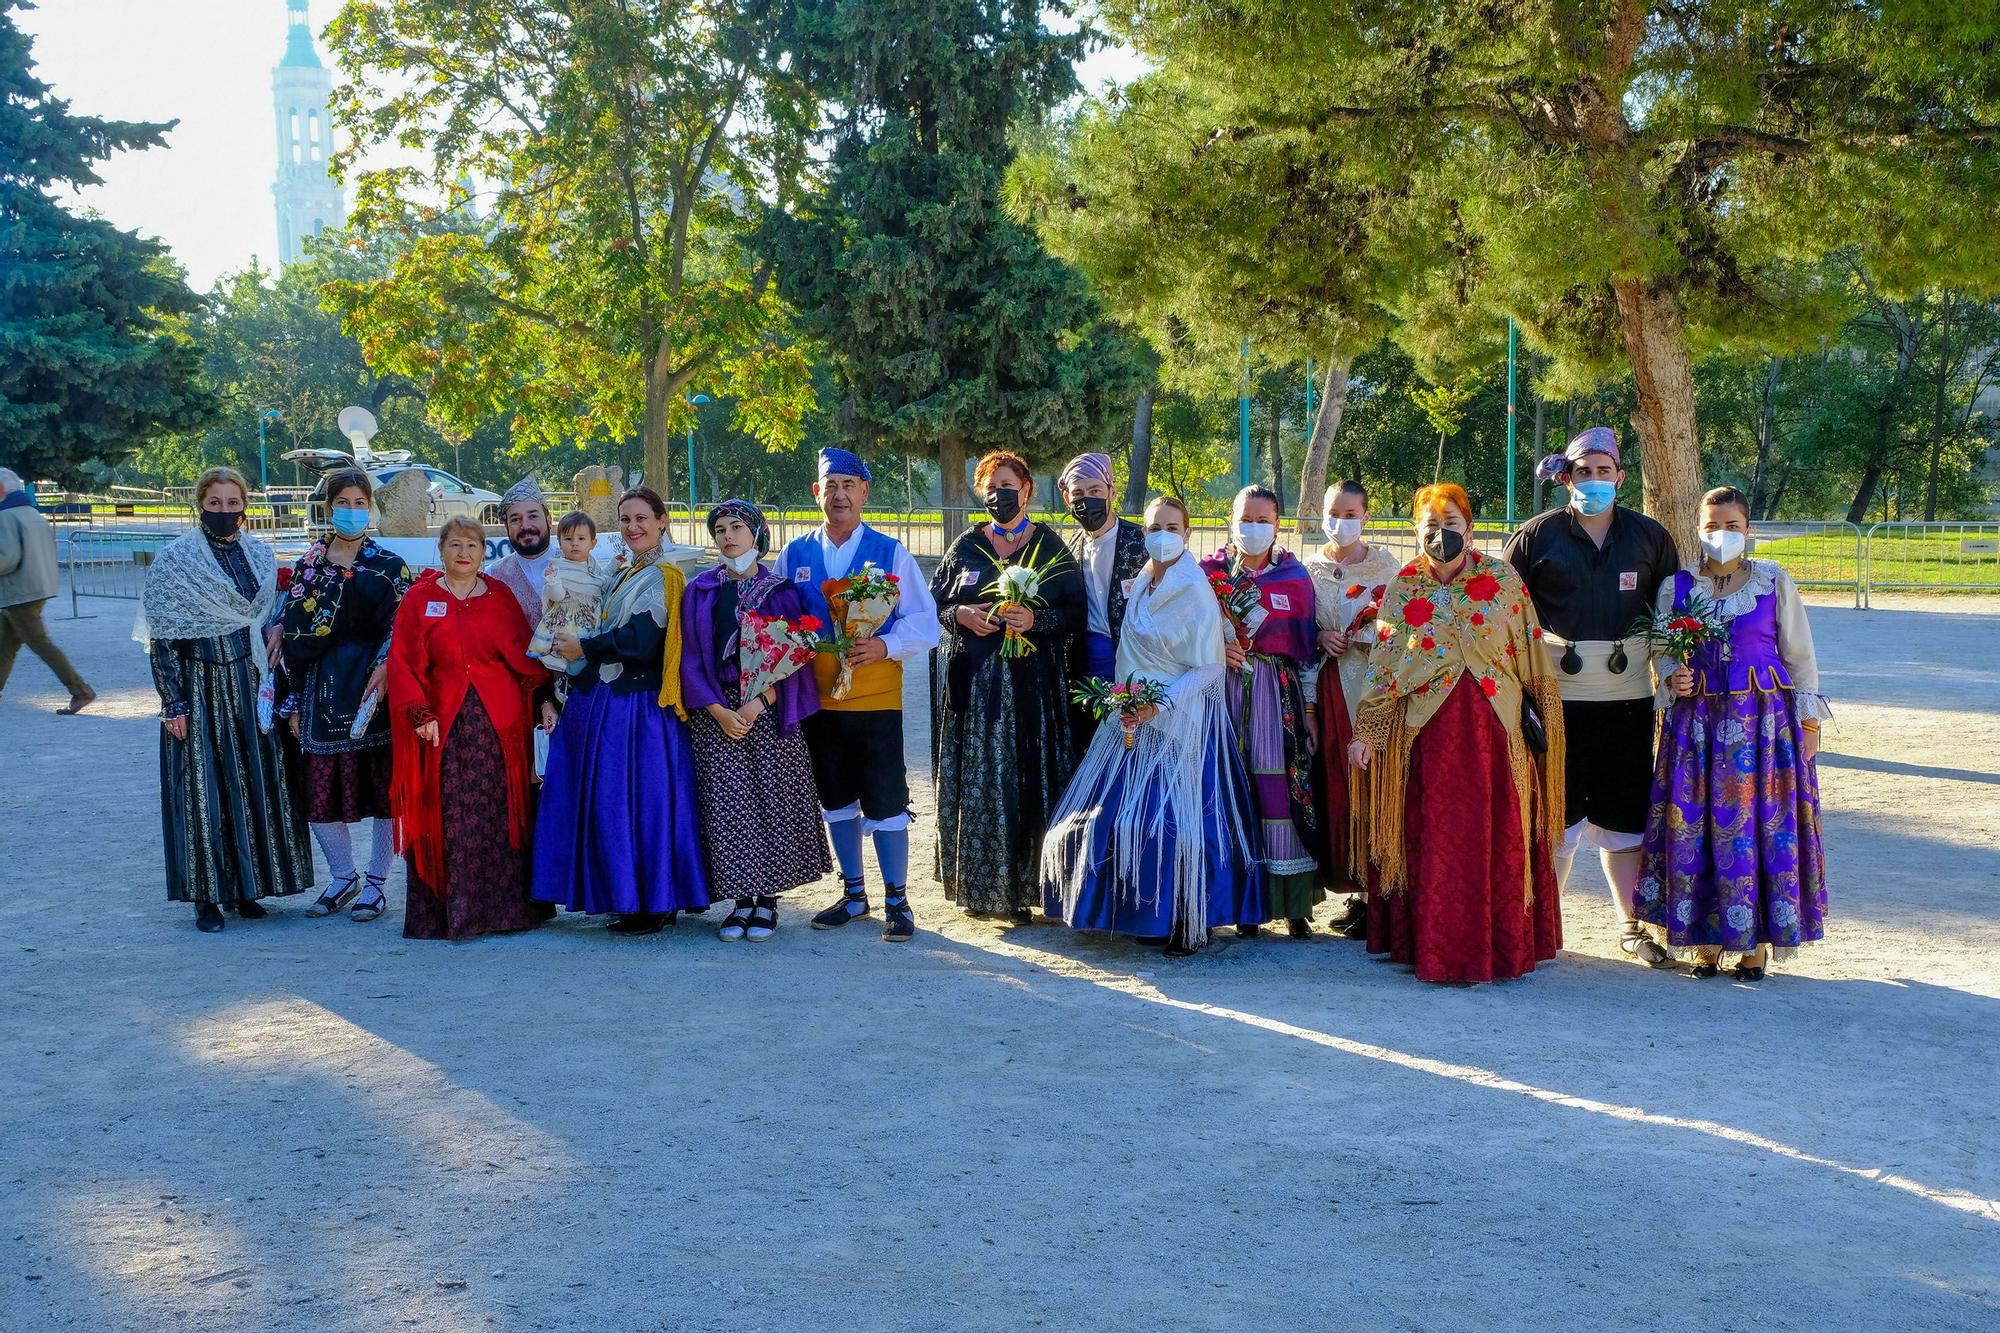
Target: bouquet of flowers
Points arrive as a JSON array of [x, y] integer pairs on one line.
[[1105, 697], [1242, 605], [1017, 585], [1677, 634], [1363, 604], [770, 648], [861, 605]]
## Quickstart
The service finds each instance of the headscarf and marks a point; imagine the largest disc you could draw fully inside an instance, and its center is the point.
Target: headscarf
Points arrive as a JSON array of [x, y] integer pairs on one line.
[[749, 515], [842, 463], [1596, 440], [527, 490], [1086, 467]]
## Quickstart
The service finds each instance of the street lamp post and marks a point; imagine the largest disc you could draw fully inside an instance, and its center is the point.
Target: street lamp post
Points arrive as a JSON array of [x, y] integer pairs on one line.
[[695, 402], [263, 457]]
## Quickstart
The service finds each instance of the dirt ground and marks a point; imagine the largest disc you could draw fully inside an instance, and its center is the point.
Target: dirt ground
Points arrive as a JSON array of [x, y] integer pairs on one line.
[[301, 1125]]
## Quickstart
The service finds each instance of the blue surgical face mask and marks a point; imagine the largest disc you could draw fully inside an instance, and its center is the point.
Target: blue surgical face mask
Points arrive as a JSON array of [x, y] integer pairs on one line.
[[350, 523], [1593, 497]]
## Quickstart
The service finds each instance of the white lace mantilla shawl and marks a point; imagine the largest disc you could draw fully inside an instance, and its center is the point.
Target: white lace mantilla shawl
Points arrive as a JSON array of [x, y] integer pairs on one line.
[[188, 595]]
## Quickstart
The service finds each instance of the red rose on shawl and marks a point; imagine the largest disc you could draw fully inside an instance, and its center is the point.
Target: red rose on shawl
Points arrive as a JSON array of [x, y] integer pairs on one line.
[[1430, 644], [1478, 618], [1418, 612], [1489, 686], [1408, 571], [1482, 587], [1538, 634]]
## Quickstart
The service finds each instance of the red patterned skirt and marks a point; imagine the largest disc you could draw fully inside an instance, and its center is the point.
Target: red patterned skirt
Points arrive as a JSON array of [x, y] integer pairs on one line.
[[341, 788], [1463, 917], [486, 882]]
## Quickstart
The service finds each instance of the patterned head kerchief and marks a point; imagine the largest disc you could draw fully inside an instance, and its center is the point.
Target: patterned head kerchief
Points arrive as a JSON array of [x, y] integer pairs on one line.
[[842, 463], [527, 490], [1093, 467], [1596, 440], [751, 517]]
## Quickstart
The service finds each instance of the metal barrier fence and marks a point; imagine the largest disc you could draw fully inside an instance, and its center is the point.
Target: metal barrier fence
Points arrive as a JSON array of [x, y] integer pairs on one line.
[[1816, 555], [1931, 557], [106, 564]]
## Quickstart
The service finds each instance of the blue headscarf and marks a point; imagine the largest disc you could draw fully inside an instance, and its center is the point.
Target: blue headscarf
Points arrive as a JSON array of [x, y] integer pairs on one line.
[[751, 517], [841, 462]]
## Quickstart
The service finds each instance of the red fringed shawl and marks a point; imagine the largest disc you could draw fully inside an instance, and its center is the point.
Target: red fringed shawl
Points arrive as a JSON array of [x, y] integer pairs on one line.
[[443, 646]]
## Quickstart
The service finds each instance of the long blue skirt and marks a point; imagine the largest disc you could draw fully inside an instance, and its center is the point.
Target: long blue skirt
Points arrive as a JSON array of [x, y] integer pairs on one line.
[[616, 831], [1144, 905]]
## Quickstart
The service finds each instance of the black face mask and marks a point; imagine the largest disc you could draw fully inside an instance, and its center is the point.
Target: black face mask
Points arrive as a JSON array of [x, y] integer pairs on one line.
[[1090, 511], [222, 523], [1004, 503], [1443, 545]]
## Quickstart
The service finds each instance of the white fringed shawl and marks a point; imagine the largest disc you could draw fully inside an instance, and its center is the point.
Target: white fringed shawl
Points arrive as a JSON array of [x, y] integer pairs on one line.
[[1172, 634], [188, 595]]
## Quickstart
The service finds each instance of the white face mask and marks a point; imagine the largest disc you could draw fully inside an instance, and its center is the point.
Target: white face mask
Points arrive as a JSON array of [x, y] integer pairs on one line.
[[1254, 538], [1343, 531], [1165, 547], [740, 565], [1723, 546]]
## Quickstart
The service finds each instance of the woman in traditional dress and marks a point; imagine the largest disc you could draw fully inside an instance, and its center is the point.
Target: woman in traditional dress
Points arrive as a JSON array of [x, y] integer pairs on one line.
[[1001, 748], [617, 830], [1350, 578], [1268, 652], [1156, 835], [461, 702], [339, 610], [1460, 732], [1733, 860], [234, 830], [760, 824]]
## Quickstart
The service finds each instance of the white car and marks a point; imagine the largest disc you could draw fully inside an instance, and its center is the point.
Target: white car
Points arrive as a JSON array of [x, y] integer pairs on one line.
[[449, 497]]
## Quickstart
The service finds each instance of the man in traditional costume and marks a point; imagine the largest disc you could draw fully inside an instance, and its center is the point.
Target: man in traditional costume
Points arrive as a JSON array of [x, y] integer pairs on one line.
[[1592, 569], [856, 741], [1112, 553], [525, 511]]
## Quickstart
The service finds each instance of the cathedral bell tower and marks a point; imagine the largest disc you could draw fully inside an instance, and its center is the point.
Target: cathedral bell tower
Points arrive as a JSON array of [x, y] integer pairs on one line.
[[309, 200]]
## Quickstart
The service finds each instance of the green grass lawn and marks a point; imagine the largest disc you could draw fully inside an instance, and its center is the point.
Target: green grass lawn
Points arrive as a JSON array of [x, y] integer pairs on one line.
[[1908, 558]]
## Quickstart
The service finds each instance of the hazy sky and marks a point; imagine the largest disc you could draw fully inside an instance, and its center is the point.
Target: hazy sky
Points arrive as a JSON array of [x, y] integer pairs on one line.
[[207, 194]]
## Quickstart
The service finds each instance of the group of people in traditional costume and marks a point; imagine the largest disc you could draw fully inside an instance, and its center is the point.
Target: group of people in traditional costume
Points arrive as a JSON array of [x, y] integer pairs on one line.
[[1434, 739]]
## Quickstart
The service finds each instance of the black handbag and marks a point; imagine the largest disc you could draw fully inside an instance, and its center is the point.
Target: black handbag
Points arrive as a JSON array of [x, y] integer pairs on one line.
[[1532, 731]]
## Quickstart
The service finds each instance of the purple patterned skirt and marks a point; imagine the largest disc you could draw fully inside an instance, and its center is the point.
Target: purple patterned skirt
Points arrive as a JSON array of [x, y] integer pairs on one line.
[[1732, 855]]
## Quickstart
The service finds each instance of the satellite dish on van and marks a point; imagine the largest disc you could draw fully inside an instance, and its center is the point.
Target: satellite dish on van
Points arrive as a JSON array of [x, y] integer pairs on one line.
[[358, 425]]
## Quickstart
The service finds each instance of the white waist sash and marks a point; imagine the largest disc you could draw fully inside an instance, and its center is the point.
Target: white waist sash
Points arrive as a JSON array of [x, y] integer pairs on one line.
[[1597, 683]]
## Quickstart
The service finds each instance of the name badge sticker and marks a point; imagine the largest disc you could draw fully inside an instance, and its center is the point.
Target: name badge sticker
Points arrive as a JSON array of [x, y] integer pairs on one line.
[[1281, 601], [434, 610], [1628, 581], [969, 579], [1125, 585], [802, 575]]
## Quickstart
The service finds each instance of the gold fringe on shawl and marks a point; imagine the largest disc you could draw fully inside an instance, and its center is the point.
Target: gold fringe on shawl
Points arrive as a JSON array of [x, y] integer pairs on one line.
[[670, 667]]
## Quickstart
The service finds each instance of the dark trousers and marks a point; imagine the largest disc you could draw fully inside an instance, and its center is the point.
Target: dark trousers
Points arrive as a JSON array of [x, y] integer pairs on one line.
[[23, 624]]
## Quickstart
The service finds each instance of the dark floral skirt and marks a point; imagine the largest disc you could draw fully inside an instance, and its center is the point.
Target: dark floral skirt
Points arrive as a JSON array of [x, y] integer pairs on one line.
[[486, 882], [761, 826], [341, 788]]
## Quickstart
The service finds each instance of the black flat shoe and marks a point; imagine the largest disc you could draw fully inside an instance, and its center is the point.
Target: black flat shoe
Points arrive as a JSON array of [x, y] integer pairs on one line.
[[207, 918], [640, 923], [1745, 972], [1703, 971], [1299, 928], [249, 909], [1178, 947], [1248, 932], [1023, 917]]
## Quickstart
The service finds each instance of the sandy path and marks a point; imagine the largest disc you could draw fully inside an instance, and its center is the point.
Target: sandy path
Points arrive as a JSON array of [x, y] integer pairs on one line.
[[318, 1126]]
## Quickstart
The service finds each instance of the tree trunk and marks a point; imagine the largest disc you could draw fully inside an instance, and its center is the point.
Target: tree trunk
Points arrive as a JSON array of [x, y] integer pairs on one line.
[[1766, 428], [1139, 468], [1274, 451], [659, 468], [1864, 494], [1947, 369], [1656, 344], [1319, 449], [953, 494]]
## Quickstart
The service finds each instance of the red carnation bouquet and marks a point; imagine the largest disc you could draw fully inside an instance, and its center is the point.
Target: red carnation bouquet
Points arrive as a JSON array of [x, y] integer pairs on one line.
[[1363, 605], [1242, 605], [1677, 634], [771, 648], [1105, 697]]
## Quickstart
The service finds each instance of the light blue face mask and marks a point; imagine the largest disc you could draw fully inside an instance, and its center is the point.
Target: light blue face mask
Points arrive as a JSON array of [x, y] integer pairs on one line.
[[350, 523], [1593, 497]]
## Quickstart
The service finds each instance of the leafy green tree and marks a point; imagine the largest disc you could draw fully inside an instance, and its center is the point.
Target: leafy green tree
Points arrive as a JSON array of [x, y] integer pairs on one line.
[[606, 281], [95, 358], [949, 328], [1634, 181]]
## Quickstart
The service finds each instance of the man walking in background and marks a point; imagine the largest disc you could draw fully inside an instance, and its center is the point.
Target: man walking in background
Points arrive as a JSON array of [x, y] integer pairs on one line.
[[27, 582]]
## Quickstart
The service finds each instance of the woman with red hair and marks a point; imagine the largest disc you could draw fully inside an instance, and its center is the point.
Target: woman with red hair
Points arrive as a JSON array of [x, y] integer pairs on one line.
[[1459, 733]]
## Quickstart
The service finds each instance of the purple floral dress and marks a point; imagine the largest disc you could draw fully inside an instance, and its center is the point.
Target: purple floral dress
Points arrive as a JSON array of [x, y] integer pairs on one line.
[[1732, 855]]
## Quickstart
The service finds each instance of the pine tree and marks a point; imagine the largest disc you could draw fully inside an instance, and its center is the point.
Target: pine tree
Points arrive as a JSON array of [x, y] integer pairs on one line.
[[92, 356], [951, 330]]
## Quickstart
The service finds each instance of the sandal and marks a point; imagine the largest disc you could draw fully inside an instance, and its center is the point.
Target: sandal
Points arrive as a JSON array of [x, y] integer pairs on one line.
[[372, 904], [763, 922], [336, 898], [735, 923], [901, 922], [853, 905]]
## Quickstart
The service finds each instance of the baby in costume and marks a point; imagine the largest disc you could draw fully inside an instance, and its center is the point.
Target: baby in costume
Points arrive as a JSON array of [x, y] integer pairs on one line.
[[570, 593]]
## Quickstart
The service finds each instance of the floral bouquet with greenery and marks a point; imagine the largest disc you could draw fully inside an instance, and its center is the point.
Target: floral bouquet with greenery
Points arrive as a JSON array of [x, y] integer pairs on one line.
[[1677, 634], [860, 604], [1104, 697]]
